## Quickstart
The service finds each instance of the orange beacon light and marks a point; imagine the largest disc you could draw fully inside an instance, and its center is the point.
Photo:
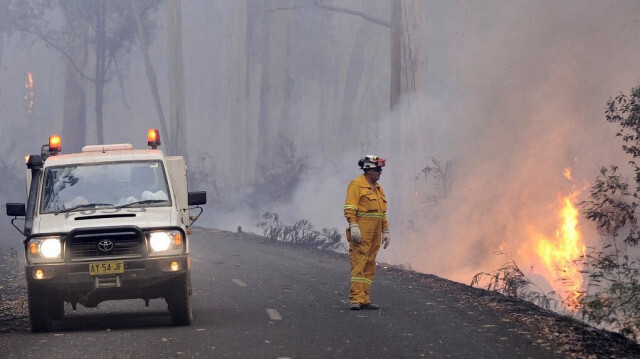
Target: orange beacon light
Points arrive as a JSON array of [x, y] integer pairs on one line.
[[153, 138]]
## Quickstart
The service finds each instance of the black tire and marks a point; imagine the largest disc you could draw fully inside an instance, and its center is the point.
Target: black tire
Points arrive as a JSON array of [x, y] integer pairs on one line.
[[56, 307], [38, 309], [179, 301]]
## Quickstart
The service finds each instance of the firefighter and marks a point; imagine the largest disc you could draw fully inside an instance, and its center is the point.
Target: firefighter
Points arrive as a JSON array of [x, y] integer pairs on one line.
[[365, 209]]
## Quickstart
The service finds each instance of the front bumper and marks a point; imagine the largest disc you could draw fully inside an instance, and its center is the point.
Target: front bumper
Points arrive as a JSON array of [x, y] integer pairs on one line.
[[145, 278]]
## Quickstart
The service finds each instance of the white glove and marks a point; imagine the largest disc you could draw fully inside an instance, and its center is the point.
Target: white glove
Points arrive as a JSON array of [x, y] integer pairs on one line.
[[355, 232], [386, 238]]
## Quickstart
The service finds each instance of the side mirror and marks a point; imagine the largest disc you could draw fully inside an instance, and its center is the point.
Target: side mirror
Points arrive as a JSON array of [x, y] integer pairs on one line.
[[16, 210], [197, 198]]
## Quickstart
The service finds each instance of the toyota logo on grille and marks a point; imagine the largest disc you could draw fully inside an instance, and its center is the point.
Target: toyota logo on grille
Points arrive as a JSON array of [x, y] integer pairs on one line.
[[105, 245]]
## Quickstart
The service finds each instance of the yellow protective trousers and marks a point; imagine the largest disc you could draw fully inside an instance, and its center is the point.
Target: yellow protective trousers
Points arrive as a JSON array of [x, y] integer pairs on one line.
[[363, 259]]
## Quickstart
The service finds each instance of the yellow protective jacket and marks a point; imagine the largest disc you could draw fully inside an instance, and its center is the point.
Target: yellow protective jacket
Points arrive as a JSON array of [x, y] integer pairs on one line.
[[364, 202]]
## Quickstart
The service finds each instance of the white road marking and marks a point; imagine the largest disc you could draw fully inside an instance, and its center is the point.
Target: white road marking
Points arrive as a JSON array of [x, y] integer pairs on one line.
[[273, 314], [239, 282]]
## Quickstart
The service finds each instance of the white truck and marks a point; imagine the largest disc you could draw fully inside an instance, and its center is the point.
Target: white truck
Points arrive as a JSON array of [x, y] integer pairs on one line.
[[108, 223]]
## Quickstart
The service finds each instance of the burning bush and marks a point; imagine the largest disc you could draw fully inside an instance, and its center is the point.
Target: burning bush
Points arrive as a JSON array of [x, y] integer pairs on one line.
[[603, 281]]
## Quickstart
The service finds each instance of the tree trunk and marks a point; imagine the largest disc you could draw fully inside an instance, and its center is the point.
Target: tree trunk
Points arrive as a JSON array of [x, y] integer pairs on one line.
[[177, 104], [238, 94], [408, 49], [100, 68], [74, 120], [408, 66], [275, 85], [1, 43], [151, 74], [355, 68], [396, 51], [408, 78], [74, 125]]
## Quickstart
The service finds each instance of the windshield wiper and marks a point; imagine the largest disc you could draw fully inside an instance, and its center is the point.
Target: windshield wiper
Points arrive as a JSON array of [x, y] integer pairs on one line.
[[82, 206], [146, 201]]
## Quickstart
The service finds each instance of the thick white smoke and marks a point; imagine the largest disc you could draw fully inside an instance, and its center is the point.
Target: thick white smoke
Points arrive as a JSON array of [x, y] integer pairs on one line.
[[520, 99], [516, 93]]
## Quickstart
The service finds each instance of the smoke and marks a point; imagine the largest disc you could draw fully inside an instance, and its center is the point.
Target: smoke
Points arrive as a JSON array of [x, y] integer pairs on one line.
[[515, 93], [518, 95]]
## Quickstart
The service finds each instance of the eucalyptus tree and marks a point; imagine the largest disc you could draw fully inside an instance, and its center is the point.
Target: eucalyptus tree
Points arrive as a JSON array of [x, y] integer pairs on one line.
[[612, 294], [93, 36]]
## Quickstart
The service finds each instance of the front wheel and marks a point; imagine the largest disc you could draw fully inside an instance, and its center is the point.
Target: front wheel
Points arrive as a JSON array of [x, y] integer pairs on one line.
[[38, 309], [179, 301], [56, 307]]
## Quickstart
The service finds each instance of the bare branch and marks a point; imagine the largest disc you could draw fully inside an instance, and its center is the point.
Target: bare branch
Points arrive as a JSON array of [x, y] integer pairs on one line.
[[321, 4], [39, 34]]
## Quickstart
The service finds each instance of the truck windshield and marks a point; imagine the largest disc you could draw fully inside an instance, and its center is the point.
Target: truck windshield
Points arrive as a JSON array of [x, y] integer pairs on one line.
[[104, 185]]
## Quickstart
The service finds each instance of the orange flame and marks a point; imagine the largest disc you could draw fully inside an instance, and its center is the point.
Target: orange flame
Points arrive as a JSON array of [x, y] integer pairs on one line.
[[29, 96], [559, 254]]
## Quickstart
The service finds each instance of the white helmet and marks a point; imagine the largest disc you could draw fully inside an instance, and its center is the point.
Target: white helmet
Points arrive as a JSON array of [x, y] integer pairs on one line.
[[371, 161]]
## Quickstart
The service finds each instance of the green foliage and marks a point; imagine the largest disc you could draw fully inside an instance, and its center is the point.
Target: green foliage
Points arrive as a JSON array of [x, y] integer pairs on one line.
[[612, 294], [611, 205], [302, 233], [509, 280], [625, 111]]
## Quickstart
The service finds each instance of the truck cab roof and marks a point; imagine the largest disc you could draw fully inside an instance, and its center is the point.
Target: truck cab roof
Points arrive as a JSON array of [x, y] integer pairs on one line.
[[104, 153]]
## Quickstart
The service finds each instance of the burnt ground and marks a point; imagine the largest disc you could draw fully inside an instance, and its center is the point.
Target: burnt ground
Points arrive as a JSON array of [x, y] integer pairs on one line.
[[14, 313], [562, 334]]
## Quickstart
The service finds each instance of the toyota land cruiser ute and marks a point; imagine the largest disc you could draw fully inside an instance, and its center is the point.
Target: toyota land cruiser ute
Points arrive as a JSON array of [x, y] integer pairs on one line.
[[108, 223]]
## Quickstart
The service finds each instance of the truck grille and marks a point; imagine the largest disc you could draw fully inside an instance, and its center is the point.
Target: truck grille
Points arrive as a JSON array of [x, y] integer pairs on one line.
[[93, 244]]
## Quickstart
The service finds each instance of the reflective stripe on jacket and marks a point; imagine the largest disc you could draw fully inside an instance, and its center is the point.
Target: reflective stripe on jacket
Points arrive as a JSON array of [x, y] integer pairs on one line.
[[365, 201]]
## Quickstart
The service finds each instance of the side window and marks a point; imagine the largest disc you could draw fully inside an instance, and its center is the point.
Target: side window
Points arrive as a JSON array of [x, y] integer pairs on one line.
[[49, 194], [58, 186]]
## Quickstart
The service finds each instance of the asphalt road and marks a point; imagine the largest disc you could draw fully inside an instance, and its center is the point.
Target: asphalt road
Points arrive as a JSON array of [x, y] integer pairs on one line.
[[256, 301]]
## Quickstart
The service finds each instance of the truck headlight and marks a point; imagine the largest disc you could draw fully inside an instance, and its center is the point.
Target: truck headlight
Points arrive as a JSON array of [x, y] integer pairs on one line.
[[159, 241], [45, 249], [51, 248], [166, 242]]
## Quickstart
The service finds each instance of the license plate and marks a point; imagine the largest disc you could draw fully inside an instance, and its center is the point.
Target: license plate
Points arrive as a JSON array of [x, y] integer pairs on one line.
[[99, 268]]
